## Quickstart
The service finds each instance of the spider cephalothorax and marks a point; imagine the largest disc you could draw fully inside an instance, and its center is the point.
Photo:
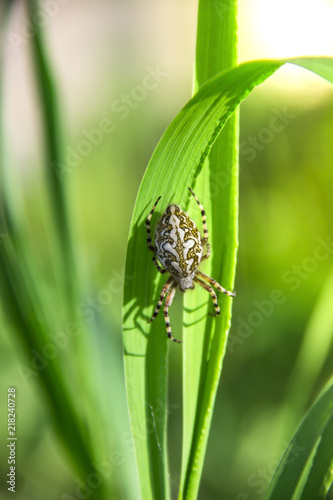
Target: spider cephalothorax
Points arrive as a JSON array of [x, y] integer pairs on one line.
[[179, 247]]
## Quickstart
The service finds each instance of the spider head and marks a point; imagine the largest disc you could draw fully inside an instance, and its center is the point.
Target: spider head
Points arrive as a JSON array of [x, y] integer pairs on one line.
[[186, 283]]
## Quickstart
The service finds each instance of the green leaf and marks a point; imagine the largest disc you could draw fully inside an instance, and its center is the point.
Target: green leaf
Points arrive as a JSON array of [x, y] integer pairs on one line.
[[54, 158], [19, 299], [175, 164], [306, 469]]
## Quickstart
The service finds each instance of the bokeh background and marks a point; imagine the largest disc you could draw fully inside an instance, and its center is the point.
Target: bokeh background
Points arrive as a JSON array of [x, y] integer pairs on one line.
[[280, 350]]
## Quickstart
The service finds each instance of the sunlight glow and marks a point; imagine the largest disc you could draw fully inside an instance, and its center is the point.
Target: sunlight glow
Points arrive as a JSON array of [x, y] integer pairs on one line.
[[288, 28], [291, 28]]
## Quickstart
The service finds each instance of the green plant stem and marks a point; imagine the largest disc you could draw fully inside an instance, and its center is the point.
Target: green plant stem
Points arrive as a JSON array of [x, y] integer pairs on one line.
[[216, 50]]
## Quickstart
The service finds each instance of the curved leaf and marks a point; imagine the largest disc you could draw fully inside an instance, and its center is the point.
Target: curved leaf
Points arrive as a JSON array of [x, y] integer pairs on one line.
[[175, 165], [305, 470]]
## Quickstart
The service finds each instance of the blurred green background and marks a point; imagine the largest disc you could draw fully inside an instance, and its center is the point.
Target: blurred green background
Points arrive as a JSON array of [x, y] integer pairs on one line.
[[123, 69]]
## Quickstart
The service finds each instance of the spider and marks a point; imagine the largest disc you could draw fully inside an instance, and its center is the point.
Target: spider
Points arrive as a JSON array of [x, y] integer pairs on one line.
[[179, 247]]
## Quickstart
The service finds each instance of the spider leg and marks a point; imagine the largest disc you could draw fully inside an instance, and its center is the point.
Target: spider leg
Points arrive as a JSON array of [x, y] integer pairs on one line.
[[204, 223], [204, 257], [215, 284], [150, 246], [163, 293], [168, 302], [159, 268], [212, 293]]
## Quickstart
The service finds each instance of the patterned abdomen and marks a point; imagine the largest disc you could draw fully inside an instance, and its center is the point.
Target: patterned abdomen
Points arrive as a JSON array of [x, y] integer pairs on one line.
[[178, 243]]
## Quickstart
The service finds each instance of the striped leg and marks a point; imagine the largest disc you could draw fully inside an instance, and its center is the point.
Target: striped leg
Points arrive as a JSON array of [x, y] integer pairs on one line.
[[159, 268], [204, 222], [150, 246], [167, 304], [149, 243], [215, 283], [212, 293], [204, 257], [164, 291]]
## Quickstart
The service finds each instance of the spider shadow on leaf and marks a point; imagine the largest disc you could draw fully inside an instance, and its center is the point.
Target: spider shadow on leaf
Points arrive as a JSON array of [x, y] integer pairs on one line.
[[141, 291]]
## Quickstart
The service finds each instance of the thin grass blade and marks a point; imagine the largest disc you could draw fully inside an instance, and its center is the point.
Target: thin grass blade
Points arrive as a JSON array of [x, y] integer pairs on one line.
[[305, 470], [217, 188]]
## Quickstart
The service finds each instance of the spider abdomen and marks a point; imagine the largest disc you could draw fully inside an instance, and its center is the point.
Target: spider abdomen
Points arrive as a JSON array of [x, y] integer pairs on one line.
[[179, 248], [178, 245]]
